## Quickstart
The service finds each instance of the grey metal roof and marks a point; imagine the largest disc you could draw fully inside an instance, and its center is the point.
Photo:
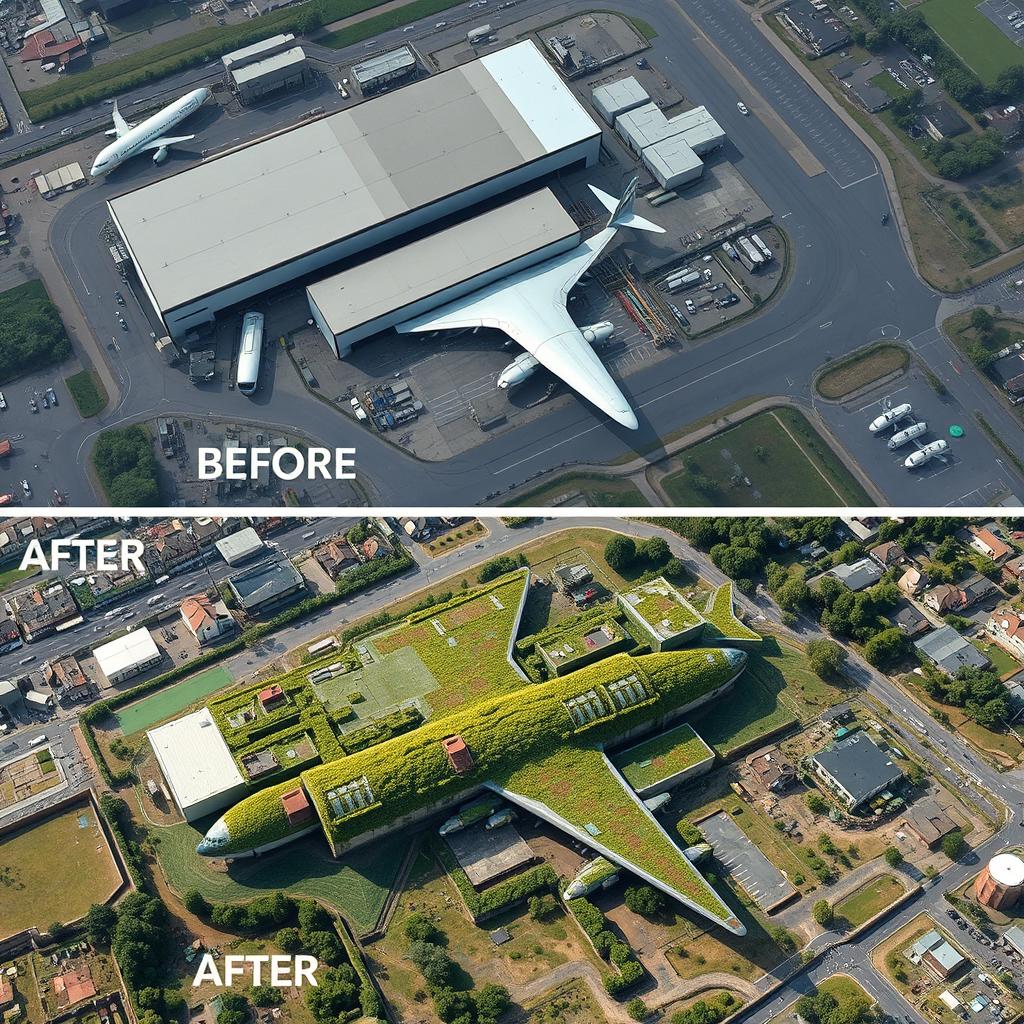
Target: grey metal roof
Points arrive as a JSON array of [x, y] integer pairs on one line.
[[858, 766], [621, 95], [264, 582], [276, 62], [424, 267], [300, 190], [857, 575], [383, 64], [949, 650]]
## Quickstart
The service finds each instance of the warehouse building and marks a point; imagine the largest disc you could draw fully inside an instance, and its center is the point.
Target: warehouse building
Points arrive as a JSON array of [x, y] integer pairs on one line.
[[63, 179], [257, 51], [197, 764], [335, 187], [267, 586], [619, 97], [237, 547], [673, 163], [644, 126], [277, 73], [385, 69], [128, 656], [425, 274]]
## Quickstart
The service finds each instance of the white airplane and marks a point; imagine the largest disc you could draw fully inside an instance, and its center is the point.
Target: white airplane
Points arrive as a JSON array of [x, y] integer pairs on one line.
[[530, 307], [889, 417], [149, 134], [901, 437], [926, 454]]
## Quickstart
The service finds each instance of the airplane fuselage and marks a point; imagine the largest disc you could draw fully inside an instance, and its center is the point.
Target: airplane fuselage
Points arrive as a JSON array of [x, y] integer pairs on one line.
[[142, 135]]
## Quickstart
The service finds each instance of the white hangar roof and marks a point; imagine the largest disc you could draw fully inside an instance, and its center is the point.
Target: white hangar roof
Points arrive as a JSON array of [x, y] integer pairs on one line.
[[235, 216]]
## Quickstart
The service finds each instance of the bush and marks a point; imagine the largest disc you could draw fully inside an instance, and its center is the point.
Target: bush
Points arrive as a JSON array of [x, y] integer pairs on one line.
[[32, 334], [645, 900], [125, 464], [543, 908], [637, 1008], [620, 552], [432, 961], [816, 803], [196, 903], [500, 566], [893, 857], [419, 928], [88, 392]]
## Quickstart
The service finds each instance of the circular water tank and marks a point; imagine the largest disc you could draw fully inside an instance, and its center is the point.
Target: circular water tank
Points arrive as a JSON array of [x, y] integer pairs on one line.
[[1007, 869]]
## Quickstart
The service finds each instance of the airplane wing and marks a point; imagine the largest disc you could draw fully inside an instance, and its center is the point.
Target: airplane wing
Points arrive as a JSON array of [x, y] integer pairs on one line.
[[577, 789], [530, 307], [165, 141], [121, 126]]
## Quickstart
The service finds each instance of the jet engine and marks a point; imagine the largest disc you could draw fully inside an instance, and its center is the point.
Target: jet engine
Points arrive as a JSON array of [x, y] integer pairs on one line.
[[517, 371], [598, 332], [160, 155]]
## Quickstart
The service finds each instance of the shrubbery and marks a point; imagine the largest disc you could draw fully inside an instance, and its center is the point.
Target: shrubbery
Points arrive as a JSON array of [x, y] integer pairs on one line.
[[608, 944], [32, 334], [124, 461]]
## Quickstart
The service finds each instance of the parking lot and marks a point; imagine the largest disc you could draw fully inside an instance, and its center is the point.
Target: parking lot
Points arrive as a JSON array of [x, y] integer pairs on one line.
[[761, 879], [1007, 16]]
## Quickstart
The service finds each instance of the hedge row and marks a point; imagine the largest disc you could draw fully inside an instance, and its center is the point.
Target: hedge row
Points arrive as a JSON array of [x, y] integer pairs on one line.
[[370, 1001], [458, 600], [720, 614], [538, 879], [380, 729], [592, 617], [608, 945]]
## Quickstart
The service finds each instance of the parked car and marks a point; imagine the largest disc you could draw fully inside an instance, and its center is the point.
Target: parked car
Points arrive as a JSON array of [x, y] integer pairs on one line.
[[742, 108], [119, 298], [52, 396], [3, 401]]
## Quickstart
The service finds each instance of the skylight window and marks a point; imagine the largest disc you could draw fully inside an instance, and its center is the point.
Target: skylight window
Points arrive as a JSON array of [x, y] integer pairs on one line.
[[351, 797], [586, 708], [627, 692]]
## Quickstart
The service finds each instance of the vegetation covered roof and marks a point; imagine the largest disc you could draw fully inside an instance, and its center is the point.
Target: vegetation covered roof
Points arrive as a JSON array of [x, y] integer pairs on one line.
[[662, 756], [662, 607], [720, 615], [529, 743]]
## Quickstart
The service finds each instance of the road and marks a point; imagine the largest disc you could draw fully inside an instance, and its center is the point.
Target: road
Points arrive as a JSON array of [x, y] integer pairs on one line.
[[851, 284]]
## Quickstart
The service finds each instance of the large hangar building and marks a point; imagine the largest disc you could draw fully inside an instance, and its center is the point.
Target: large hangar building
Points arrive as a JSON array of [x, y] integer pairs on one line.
[[269, 213], [428, 272]]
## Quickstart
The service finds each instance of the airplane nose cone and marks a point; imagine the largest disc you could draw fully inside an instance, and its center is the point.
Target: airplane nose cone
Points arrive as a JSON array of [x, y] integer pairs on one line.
[[627, 418]]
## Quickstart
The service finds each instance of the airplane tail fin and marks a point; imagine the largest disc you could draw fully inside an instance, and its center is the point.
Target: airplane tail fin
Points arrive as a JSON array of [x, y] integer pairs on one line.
[[621, 210]]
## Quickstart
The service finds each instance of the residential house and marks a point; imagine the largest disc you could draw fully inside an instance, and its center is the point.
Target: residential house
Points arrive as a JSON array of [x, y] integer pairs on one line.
[[913, 581], [949, 651], [888, 553], [934, 952], [945, 598], [40, 612], [206, 619], [927, 820], [987, 543], [836, 715], [68, 678], [862, 528], [168, 547], [978, 588], [335, 556], [771, 769], [909, 619], [855, 770], [10, 635], [1007, 629], [374, 547], [1013, 570], [941, 121], [857, 575]]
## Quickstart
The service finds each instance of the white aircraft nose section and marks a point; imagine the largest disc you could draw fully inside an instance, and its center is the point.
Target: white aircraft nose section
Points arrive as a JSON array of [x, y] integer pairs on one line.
[[626, 417]]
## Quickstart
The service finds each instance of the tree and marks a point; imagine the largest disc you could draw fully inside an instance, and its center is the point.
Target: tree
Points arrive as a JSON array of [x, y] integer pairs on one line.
[[620, 552], [126, 466], [419, 927], [645, 900], [893, 857], [336, 992], [100, 921], [265, 996], [983, 322], [817, 804], [491, 1002], [674, 569], [887, 647], [434, 963], [452, 1006], [196, 903], [499, 567], [654, 550], [793, 594], [31, 332], [1010, 82], [823, 913], [954, 846], [543, 907], [313, 917], [637, 1008], [326, 947], [289, 940], [826, 658]]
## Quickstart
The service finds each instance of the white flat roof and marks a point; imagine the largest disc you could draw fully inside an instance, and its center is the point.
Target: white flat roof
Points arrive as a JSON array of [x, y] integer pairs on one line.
[[622, 94], [126, 652], [429, 265], [1007, 869], [235, 216], [255, 49], [672, 156], [264, 66], [383, 64], [239, 544], [194, 758]]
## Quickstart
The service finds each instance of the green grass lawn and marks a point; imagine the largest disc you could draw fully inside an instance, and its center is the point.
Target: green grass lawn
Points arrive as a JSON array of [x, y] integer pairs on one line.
[[870, 899], [1002, 663], [88, 392], [167, 702], [68, 846], [888, 84], [596, 490], [11, 576], [781, 470], [777, 688], [964, 29], [662, 756], [356, 885]]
